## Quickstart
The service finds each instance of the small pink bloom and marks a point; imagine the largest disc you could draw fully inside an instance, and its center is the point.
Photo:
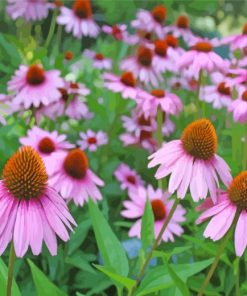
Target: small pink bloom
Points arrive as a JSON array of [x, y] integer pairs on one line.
[[174, 51], [238, 107], [192, 162], [237, 41], [98, 59], [91, 140], [161, 206], [168, 126], [162, 61], [119, 31], [33, 86], [128, 177]]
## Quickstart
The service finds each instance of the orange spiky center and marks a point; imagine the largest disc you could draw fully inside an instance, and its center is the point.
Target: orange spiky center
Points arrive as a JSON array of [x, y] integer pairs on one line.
[[244, 96], [160, 47], [223, 89], [128, 79], [131, 179], [99, 57], [171, 41], [159, 209], [142, 120], [145, 135], [159, 13], [199, 139], [68, 55], [116, 32], [203, 46], [182, 22], [237, 191], [158, 93], [76, 164], [35, 75], [24, 174], [64, 94], [46, 145], [92, 140], [245, 29], [82, 9], [144, 56]]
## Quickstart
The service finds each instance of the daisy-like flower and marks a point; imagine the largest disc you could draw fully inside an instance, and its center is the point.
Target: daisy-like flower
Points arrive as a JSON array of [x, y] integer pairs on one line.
[[79, 20], [192, 162], [201, 57], [168, 126], [33, 86], [98, 59], [238, 107], [44, 142], [28, 9], [91, 140], [168, 102], [70, 175], [161, 60], [126, 84], [31, 211], [237, 78], [174, 51], [128, 177], [161, 206], [142, 66], [219, 94], [237, 41], [222, 213], [151, 21], [119, 31]]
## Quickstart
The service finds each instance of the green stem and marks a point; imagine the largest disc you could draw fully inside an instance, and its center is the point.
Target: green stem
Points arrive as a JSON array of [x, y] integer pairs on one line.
[[59, 37], [198, 115], [160, 121], [245, 150], [52, 28], [217, 257], [10, 269], [154, 246], [237, 277]]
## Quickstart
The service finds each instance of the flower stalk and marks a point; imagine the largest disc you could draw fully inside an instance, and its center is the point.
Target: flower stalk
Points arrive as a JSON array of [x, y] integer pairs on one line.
[[12, 257]]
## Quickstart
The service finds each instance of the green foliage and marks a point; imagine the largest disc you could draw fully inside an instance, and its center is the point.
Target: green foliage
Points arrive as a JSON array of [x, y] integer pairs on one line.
[[147, 227]]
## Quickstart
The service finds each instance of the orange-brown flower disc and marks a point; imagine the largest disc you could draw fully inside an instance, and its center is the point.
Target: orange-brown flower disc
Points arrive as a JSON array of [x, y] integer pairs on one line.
[[128, 79], [46, 145], [159, 13], [237, 191], [182, 22], [131, 179], [145, 135], [199, 139], [171, 41], [160, 47], [203, 46], [245, 29], [223, 89], [244, 96], [99, 57], [82, 9], [159, 209], [142, 120], [158, 93], [24, 174], [64, 94], [144, 56], [92, 140], [76, 164], [68, 55], [35, 75]]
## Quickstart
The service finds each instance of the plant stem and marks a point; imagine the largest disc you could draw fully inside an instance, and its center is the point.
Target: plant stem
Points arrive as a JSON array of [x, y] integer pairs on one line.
[[237, 278], [217, 257], [245, 150], [52, 28], [159, 134], [10, 269], [198, 95], [154, 246]]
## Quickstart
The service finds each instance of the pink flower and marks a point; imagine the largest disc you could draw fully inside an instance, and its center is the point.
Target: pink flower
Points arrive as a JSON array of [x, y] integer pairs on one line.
[[44, 142], [70, 175], [128, 177], [91, 140], [158, 98], [239, 107], [151, 21], [31, 211], [168, 126], [119, 31], [142, 66], [161, 207], [34, 86], [125, 84], [192, 162], [201, 57], [28, 9], [144, 139], [98, 59], [6, 107], [237, 78], [78, 20], [223, 212], [237, 41], [174, 51], [162, 61]]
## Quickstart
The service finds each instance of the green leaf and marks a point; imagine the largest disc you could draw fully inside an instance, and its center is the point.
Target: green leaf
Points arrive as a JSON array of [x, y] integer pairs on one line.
[[44, 287], [3, 281], [159, 277], [109, 246], [147, 229], [122, 280]]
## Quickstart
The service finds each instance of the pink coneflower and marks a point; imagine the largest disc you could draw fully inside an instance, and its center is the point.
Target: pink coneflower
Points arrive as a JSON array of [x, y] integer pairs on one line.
[[151, 21], [33, 86], [161, 60], [6, 107], [31, 211], [142, 66], [222, 214], [28, 9], [128, 177], [237, 41], [175, 83], [70, 175], [201, 57], [238, 107], [161, 207], [174, 51], [237, 78], [126, 84], [98, 59], [158, 98], [79, 20], [119, 31], [44, 142], [91, 140], [191, 161], [168, 126]]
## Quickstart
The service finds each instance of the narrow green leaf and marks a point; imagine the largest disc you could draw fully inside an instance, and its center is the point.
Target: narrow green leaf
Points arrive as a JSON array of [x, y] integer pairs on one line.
[[44, 287], [122, 280], [110, 248], [3, 281], [147, 228]]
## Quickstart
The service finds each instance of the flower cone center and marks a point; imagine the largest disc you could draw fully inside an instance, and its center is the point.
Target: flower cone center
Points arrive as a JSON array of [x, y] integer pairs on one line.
[[35, 75], [92, 140], [245, 29], [160, 47], [158, 93], [144, 56], [128, 79], [82, 9], [159, 13], [244, 96], [131, 179], [171, 41], [237, 191], [99, 57], [76, 164], [159, 209], [46, 145], [182, 22], [64, 94], [202, 46], [223, 89]]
